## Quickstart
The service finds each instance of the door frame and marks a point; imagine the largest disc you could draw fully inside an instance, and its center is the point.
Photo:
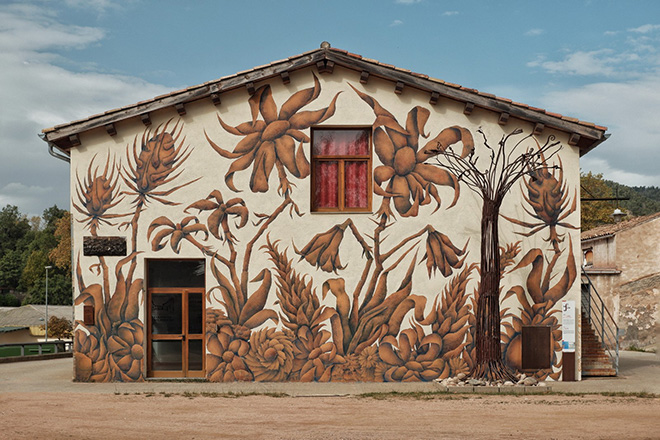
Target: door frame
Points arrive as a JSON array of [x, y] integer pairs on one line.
[[184, 336]]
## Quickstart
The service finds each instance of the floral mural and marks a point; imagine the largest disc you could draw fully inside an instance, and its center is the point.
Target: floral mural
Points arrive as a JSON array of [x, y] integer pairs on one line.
[[305, 315]]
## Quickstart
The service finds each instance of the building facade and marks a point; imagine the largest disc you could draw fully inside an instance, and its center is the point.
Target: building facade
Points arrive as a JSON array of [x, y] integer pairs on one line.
[[295, 222], [622, 262]]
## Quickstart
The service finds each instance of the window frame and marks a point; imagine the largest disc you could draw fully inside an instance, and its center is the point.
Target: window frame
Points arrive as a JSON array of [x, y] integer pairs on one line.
[[341, 159]]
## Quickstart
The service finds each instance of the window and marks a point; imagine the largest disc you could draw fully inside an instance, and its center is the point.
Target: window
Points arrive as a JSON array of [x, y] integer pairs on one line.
[[341, 170], [588, 257]]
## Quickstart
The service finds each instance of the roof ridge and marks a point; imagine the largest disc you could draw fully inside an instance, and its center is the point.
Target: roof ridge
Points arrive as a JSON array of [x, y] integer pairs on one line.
[[208, 88]]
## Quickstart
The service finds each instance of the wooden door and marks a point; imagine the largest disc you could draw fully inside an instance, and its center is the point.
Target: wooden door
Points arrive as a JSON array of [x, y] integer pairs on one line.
[[176, 322]]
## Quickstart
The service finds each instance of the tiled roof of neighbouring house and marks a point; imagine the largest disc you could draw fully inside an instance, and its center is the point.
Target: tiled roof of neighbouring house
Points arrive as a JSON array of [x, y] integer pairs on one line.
[[32, 315], [612, 229]]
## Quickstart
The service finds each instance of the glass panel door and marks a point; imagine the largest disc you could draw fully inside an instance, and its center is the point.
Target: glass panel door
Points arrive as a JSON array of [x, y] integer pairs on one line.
[[175, 322]]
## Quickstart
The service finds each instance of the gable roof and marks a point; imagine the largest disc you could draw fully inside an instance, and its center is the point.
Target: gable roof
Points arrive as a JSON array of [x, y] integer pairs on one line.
[[613, 229], [584, 135]]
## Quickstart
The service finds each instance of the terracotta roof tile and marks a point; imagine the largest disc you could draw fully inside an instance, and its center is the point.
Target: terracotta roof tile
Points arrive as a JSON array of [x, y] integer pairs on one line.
[[353, 55], [612, 229]]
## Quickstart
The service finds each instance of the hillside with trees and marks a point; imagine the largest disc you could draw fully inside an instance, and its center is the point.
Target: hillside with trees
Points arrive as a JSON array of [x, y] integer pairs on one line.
[[27, 246], [643, 200]]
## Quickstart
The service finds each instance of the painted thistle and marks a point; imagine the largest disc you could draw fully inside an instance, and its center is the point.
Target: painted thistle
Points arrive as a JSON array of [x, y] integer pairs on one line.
[[441, 254], [271, 141], [155, 163], [97, 195], [185, 230], [547, 195], [411, 182], [220, 213]]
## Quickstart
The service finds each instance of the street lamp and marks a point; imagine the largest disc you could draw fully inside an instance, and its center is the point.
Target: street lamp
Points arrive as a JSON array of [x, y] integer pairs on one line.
[[47, 267]]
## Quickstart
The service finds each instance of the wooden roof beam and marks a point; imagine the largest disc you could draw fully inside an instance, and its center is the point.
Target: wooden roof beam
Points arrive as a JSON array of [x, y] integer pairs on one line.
[[573, 139], [435, 96], [180, 108], [398, 88], [364, 77], [286, 79], [503, 119], [538, 129], [111, 129], [469, 107], [74, 139], [146, 119], [215, 98]]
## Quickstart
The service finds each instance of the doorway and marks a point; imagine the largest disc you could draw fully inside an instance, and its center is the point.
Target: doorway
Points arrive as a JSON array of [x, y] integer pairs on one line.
[[176, 318]]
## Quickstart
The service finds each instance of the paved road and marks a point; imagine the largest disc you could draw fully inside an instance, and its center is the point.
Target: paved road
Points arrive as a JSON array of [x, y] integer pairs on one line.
[[639, 372]]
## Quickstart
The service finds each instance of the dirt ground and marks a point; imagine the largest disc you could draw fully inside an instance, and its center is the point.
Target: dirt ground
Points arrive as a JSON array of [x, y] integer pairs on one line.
[[119, 416]]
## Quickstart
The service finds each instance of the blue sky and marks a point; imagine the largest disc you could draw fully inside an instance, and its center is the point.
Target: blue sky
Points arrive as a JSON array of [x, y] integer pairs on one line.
[[66, 59]]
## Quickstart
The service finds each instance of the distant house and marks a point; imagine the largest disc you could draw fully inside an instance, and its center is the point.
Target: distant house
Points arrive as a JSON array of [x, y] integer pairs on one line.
[[291, 223], [26, 323], [623, 262]]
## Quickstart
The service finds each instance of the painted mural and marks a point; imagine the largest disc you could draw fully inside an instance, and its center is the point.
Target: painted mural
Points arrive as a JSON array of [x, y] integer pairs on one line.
[[301, 317]]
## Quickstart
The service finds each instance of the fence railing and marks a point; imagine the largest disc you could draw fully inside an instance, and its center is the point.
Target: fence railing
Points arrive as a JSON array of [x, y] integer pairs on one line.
[[601, 320], [35, 348]]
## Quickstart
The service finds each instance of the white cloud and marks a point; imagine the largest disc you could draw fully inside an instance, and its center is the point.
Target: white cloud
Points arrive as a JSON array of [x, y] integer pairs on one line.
[[396, 23], [598, 62], [534, 32], [449, 13], [645, 29], [629, 109], [41, 94]]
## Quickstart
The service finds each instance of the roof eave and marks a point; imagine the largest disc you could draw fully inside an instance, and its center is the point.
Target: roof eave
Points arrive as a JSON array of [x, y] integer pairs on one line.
[[65, 136]]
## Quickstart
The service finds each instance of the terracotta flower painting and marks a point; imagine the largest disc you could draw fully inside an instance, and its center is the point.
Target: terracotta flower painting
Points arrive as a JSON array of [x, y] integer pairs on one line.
[[269, 139], [411, 182]]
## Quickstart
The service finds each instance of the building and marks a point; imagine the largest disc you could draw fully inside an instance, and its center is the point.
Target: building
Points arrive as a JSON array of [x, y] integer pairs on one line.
[[274, 225], [621, 260], [26, 324]]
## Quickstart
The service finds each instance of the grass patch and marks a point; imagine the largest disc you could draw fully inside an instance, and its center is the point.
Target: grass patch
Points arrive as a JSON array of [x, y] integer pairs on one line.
[[640, 349], [192, 395], [454, 395]]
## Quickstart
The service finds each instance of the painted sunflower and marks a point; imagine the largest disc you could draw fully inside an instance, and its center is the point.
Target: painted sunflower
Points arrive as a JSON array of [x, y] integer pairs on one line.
[[271, 141], [411, 182]]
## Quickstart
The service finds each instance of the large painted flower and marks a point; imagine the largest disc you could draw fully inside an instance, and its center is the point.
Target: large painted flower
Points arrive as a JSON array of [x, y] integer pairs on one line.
[[411, 182], [270, 141]]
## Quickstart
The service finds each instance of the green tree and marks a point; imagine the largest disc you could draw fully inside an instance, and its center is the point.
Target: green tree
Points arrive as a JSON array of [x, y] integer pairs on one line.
[[13, 227], [59, 290], [595, 213], [11, 267]]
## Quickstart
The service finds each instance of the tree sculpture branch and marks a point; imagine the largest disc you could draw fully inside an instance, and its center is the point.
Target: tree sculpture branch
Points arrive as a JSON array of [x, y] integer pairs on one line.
[[491, 183]]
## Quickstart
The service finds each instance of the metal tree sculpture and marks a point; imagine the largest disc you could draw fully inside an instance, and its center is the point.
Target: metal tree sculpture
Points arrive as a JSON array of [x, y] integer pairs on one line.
[[492, 184]]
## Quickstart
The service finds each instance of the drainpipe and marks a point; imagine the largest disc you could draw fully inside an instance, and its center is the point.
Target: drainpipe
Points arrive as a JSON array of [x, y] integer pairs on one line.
[[51, 149]]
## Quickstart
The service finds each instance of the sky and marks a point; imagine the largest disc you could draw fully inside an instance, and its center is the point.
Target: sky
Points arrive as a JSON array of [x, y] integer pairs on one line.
[[62, 60]]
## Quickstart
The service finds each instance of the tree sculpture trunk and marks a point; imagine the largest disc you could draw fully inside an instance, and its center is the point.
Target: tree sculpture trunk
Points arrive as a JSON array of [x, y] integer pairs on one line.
[[489, 364]]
